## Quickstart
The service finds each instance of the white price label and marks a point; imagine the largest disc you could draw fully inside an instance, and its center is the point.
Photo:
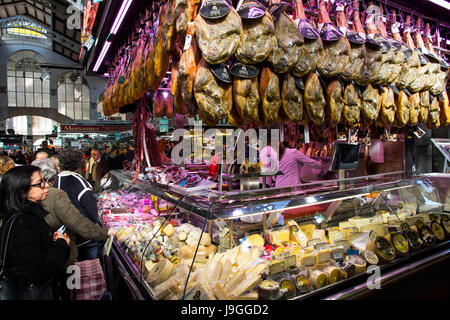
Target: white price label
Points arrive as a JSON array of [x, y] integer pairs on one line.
[[187, 43]]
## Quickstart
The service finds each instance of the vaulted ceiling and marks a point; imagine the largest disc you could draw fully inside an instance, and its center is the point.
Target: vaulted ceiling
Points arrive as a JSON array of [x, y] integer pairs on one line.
[[50, 14]]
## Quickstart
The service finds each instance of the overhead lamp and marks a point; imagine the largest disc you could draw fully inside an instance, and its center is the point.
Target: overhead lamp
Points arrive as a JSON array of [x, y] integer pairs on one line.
[[102, 55], [119, 18]]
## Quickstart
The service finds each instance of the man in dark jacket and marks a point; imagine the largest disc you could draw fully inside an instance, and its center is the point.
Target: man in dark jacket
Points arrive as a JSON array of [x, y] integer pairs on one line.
[[99, 168], [80, 194]]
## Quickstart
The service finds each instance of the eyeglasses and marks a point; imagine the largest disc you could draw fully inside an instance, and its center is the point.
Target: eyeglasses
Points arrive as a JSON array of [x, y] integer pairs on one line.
[[42, 184]]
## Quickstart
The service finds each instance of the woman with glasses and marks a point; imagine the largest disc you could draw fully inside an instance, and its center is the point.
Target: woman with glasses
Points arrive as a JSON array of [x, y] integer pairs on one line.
[[30, 254]]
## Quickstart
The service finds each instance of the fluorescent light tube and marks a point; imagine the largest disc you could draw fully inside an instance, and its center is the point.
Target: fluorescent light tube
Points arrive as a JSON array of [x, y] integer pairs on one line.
[[442, 3], [122, 12], [102, 55]]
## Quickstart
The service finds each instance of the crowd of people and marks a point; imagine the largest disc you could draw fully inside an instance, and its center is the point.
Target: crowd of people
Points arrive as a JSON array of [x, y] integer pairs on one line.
[[49, 217]]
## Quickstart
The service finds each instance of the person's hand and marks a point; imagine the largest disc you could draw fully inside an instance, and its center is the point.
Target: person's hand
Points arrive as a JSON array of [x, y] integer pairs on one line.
[[57, 235], [112, 232]]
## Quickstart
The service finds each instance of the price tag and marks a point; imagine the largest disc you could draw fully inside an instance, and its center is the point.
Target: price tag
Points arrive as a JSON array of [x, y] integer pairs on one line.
[[352, 252], [187, 42], [337, 254]]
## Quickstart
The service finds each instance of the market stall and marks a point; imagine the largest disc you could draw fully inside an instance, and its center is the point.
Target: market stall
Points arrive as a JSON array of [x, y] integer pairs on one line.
[[350, 84], [243, 245]]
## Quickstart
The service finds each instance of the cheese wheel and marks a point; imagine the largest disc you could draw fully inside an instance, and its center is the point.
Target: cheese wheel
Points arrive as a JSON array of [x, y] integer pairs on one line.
[[256, 240], [186, 252], [160, 272], [182, 236], [438, 231], [370, 257], [358, 262], [400, 243], [318, 278], [288, 285], [205, 240], [382, 248], [333, 274], [302, 283], [269, 290], [426, 235], [347, 269]]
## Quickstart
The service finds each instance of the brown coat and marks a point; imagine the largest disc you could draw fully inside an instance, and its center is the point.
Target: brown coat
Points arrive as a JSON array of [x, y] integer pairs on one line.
[[62, 212]]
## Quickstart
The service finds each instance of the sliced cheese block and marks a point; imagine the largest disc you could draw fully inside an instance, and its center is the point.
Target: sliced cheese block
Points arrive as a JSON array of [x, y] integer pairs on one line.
[[308, 229], [186, 252], [160, 272], [335, 235], [308, 260], [256, 240], [205, 240], [320, 234], [323, 256], [378, 228], [301, 238], [168, 230], [169, 286], [210, 250], [219, 291], [248, 284], [280, 237]]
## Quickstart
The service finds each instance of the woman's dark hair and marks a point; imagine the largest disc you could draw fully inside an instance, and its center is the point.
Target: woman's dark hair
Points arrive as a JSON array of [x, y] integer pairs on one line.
[[13, 190], [70, 159], [282, 148]]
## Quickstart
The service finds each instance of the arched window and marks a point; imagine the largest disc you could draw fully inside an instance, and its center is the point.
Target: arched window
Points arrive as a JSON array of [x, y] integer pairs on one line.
[[28, 83], [73, 96]]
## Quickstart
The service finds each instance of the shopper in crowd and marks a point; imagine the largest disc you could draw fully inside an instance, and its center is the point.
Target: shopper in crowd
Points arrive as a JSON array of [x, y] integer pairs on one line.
[[55, 160], [129, 155], [63, 212], [28, 157], [80, 194], [19, 158], [41, 155], [6, 163], [96, 170], [114, 159], [291, 161], [32, 255], [44, 147]]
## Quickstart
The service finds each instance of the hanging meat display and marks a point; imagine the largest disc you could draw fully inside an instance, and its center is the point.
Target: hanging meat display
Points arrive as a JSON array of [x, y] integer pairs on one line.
[[309, 70]]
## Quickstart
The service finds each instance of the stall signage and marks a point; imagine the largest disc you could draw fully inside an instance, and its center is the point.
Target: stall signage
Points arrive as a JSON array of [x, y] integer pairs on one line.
[[163, 125], [75, 144], [85, 128]]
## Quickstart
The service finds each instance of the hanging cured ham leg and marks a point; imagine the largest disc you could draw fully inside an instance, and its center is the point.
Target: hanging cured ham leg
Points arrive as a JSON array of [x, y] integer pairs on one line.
[[336, 48], [312, 46]]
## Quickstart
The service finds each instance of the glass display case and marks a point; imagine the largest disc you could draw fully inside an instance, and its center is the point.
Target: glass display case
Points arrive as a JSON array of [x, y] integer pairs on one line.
[[313, 241]]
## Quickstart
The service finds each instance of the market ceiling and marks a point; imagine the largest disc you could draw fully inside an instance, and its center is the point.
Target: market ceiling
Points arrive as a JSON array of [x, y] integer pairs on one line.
[[425, 9], [50, 14]]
